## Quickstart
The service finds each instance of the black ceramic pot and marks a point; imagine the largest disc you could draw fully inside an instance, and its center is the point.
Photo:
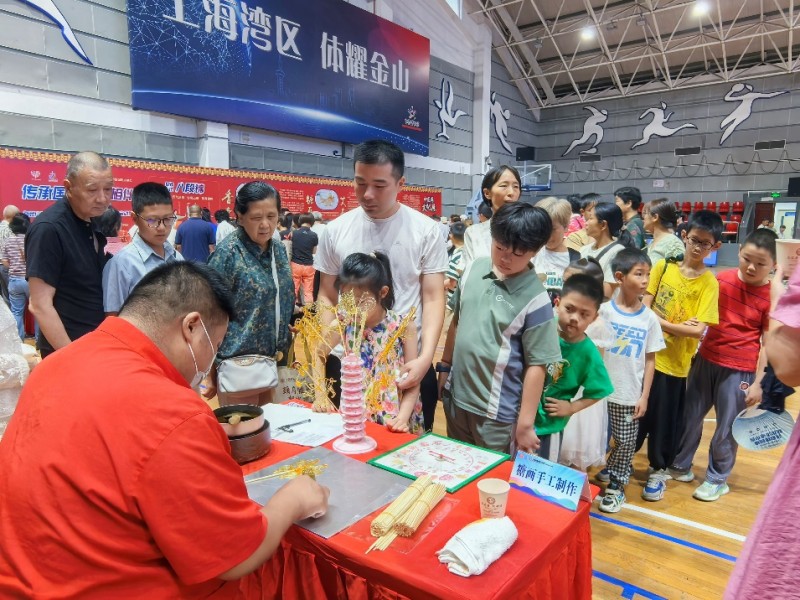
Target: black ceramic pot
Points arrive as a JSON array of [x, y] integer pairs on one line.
[[251, 446]]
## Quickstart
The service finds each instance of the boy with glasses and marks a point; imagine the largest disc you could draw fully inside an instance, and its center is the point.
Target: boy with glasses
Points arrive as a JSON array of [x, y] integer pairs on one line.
[[154, 217], [684, 296]]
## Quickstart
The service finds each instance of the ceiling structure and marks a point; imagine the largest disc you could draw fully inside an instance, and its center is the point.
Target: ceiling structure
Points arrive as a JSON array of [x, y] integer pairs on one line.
[[562, 52]]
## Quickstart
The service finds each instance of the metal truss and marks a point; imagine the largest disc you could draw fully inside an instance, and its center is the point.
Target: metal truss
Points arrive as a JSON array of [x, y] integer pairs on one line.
[[563, 52]]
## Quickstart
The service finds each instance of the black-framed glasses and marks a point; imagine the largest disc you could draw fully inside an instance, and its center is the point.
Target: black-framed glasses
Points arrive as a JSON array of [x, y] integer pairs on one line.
[[154, 223], [698, 244]]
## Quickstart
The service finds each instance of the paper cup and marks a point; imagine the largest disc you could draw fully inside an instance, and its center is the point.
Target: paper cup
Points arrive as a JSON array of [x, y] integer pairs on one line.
[[788, 253], [493, 495]]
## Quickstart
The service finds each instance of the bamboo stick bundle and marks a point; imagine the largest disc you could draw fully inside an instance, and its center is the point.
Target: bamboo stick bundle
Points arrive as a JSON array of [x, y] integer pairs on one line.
[[407, 525], [382, 542], [382, 524]]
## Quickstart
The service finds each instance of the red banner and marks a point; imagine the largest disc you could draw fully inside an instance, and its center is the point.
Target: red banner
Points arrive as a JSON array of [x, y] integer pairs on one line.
[[34, 180]]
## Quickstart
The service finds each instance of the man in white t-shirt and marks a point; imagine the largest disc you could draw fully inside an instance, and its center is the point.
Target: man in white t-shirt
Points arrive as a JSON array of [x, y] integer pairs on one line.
[[414, 245]]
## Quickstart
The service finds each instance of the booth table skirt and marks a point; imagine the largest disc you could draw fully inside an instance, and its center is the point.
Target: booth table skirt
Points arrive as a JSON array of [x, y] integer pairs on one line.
[[551, 559]]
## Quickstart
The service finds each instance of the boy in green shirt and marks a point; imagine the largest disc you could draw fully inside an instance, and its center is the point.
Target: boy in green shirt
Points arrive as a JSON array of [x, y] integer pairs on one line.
[[582, 364]]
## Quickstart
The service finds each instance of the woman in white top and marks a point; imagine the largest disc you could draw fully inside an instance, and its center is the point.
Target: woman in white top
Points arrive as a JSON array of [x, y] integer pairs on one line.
[[500, 186], [660, 219], [604, 225]]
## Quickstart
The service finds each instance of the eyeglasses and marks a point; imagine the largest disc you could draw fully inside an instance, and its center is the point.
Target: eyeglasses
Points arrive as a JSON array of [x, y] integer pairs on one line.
[[698, 244], [155, 223]]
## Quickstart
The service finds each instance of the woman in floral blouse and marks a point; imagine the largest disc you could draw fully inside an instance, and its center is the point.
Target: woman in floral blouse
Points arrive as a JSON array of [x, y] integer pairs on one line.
[[245, 258]]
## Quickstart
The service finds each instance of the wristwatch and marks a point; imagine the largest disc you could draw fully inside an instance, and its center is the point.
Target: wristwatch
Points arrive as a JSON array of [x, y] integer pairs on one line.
[[443, 367]]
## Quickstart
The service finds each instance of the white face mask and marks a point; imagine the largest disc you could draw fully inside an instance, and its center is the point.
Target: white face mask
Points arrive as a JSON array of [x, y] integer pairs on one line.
[[200, 375]]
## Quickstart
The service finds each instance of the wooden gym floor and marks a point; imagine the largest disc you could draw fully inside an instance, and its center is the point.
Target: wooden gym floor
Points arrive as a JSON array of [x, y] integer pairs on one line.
[[678, 548]]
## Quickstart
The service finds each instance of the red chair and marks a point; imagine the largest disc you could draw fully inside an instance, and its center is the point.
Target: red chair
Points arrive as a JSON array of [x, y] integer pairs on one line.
[[736, 217], [738, 207], [712, 206], [686, 207], [698, 206], [731, 232], [677, 205], [724, 207]]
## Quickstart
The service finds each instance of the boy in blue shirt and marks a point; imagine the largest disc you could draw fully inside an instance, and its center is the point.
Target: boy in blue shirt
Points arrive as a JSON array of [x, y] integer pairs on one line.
[[499, 358], [154, 217]]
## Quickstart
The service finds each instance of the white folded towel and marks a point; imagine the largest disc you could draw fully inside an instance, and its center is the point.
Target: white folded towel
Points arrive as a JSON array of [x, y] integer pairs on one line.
[[476, 546]]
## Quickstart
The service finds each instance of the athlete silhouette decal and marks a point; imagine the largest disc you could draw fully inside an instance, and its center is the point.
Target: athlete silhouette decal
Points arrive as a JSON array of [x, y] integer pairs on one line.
[[500, 117], [591, 127], [743, 94], [445, 106], [658, 126]]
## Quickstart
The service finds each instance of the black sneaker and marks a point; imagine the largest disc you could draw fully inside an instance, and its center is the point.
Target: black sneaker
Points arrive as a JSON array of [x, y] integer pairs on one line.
[[604, 476]]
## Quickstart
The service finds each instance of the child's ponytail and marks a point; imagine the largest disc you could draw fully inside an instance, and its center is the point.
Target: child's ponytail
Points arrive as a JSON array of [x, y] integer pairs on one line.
[[370, 271]]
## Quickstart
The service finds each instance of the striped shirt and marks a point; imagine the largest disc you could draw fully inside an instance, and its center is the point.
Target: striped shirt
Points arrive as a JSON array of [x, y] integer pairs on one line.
[[13, 250], [454, 268], [504, 325], [743, 317]]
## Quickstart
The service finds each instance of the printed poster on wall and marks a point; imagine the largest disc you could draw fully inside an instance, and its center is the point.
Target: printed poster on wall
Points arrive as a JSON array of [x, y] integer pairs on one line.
[[318, 68], [34, 180]]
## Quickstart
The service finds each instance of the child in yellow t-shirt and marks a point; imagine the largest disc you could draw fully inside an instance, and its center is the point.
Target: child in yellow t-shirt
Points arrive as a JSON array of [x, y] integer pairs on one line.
[[684, 296]]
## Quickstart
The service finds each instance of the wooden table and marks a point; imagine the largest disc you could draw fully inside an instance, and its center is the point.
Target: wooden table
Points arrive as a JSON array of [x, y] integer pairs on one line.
[[551, 559]]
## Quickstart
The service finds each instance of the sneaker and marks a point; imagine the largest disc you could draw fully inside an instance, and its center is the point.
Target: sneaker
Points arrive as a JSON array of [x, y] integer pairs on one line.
[[655, 487], [603, 476], [613, 499], [677, 475], [710, 492]]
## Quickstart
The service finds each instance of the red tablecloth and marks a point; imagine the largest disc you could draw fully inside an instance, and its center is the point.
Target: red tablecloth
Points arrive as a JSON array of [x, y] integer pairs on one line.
[[551, 559]]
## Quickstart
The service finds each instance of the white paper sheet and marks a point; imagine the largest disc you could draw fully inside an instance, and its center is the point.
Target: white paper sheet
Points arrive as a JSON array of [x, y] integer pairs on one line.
[[322, 428]]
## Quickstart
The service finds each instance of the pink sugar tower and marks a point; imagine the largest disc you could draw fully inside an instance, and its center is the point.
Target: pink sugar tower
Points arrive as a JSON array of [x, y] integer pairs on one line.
[[352, 409]]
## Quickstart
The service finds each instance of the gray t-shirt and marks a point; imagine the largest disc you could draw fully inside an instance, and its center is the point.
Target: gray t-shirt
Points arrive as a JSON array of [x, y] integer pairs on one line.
[[504, 325]]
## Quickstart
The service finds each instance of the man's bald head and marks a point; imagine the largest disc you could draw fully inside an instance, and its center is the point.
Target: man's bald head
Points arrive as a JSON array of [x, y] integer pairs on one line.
[[195, 210], [9, 212]]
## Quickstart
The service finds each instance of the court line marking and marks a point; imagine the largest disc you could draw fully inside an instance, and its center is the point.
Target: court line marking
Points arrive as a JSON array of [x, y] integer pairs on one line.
[[701, 526], [629, 590], [664, 536]]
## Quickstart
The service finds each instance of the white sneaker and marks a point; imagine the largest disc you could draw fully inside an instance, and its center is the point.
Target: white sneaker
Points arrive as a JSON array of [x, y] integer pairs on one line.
[[711, 492], [685, 476], [656, 486]]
